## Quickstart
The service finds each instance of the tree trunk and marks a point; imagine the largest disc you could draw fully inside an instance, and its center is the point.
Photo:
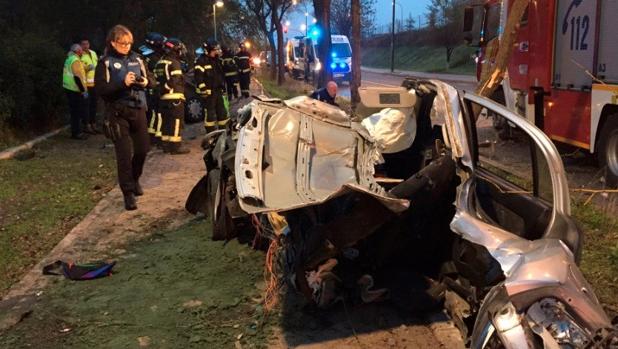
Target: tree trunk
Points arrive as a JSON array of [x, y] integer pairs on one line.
[[491, 78], [273, 55], [356, 53], [276, 5], [322, 12]]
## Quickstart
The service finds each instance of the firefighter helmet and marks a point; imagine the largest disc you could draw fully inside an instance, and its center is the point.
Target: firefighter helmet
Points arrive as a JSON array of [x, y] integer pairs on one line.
[[155, 40], [176, 46], [211, 45]]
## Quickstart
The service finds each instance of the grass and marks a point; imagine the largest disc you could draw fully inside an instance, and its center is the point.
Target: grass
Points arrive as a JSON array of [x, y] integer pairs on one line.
[[43, 198], [600, 253], [291, 88], [422, 59], [176, 289]]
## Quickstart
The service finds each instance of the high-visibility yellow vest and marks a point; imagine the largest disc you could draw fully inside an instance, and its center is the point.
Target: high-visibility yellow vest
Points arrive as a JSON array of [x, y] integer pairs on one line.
[[89, 59], [68, 79]]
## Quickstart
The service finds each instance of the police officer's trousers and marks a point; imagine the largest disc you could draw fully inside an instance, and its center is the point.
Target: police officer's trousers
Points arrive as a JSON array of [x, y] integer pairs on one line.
[[130, 137], [245, 81], [216, 113], [231, 86], [173, 112]]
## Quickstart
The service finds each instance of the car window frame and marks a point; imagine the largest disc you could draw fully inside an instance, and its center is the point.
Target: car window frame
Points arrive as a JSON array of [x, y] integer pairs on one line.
[[560, 195]]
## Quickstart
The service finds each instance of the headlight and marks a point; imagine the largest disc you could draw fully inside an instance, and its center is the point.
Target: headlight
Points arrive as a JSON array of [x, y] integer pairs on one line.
[[551, 316], [318, 66], [257, 61], [333, 65]]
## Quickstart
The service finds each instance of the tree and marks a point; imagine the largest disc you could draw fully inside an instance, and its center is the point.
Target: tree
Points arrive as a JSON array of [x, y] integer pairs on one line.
[[445, 18], [356, 56], [341, 19], [322, 12], [410, 22]]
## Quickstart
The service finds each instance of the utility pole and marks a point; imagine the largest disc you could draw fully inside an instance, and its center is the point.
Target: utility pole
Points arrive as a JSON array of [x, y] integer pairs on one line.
[[393, 40]]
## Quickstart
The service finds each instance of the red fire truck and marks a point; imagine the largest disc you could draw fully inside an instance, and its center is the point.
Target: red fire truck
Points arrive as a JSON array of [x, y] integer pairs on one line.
[[563, 72]]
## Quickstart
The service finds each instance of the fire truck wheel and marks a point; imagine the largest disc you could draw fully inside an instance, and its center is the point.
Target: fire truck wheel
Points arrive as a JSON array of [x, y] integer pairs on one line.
[[608, 150]]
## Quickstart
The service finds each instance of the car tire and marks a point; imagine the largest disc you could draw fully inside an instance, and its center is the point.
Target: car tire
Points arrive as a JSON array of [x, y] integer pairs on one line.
[[608, 150], [194, 110]]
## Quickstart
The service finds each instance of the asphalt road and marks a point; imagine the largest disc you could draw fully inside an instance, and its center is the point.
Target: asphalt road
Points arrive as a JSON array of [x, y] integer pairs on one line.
[[386, 79]]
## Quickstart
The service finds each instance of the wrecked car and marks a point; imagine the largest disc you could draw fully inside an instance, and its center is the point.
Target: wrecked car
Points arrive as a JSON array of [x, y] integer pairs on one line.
[[419, 179]]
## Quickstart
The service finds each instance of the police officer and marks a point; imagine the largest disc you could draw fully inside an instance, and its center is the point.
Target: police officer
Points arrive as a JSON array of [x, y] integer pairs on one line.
[[243, 61], [120, 79], [230, 69], [171, 87], [210, 83], [152, 53]]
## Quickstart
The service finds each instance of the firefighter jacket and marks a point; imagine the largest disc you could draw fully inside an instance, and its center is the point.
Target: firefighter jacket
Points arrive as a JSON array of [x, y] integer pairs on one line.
[[171, 83], [109, 79], [208, 75], [243, 61], [229, 64]]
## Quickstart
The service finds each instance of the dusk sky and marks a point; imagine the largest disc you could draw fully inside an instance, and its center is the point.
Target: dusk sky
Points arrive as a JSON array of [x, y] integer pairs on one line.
[[383, 13], [384, 10]]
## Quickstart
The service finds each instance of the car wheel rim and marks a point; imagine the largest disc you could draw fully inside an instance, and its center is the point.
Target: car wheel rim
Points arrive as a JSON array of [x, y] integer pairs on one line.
[[194, 109], [612, 153]]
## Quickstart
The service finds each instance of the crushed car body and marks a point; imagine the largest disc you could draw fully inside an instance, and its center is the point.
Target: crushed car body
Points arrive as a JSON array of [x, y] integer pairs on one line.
[[341, 199]]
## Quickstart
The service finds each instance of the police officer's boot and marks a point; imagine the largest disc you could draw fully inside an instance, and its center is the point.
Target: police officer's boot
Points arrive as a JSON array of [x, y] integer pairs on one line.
[[178, 148], [129, 201]]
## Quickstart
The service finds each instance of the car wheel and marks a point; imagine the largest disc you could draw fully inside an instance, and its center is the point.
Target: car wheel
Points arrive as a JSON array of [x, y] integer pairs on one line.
[[194, 110], [608, 151]]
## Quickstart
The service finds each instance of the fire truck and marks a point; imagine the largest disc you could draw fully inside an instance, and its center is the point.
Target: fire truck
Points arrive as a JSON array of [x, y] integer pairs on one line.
[[563, 72]]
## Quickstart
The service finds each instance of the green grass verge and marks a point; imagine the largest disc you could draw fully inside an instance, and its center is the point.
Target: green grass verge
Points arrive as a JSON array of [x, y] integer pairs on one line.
[[176, 289], [600, 253], [422, 59], [43, 198]]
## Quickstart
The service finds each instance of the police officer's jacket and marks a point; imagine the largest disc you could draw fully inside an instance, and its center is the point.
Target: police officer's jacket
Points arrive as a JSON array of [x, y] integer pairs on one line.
[[322, 95], [208, 75], [229, 64], [243, 61], [171, 83], [109, 80]]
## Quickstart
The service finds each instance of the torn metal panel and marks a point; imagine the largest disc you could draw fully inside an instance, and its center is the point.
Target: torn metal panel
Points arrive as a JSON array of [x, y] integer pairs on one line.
[[302, 154]]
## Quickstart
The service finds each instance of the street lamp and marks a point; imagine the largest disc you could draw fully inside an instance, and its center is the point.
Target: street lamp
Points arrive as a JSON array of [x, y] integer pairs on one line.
[[287, 23], [306, 24], [393, 40], [219, 3]]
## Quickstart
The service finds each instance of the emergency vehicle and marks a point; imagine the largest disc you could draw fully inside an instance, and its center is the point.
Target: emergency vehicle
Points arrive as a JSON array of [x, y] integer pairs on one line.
[[563, 72], [340, 57]]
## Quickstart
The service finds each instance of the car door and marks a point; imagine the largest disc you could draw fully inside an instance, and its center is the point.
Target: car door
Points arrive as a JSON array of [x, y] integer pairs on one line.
[[516, 181]]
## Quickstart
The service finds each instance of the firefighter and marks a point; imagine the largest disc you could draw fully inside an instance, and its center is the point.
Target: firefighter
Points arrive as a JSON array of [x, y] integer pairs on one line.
[[152, 53], [243, 61], [210, 82], [120, 80], [171, 88], [230, 69]]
